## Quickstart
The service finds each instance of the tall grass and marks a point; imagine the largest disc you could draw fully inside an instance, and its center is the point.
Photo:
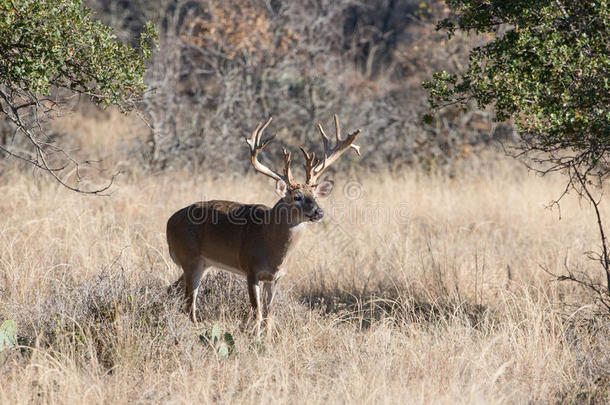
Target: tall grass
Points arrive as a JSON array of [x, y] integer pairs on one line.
[[415, 289]]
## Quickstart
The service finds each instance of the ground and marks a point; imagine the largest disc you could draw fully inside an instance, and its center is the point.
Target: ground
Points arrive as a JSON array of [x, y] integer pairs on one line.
[[416, 288]]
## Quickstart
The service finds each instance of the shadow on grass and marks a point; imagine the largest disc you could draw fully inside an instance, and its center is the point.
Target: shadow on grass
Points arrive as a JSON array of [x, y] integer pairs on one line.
[[364, 307], [113, 315], [97, 318]]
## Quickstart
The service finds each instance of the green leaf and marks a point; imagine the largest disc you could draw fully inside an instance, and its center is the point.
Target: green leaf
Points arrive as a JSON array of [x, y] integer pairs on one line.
[[547, 71], [229, 339], [223, 350], [8, 335], [215, 337], [56, 43], [222, 344]]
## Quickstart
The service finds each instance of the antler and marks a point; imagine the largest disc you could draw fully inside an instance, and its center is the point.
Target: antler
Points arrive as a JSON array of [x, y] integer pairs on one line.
[[313, 167], [256, 145]]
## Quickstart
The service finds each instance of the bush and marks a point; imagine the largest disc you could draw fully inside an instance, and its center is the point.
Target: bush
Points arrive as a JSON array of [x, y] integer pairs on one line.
[[51, 50]]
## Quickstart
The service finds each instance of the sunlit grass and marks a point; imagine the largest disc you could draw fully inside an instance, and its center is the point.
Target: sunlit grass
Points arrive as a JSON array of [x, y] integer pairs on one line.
[[416, 288]]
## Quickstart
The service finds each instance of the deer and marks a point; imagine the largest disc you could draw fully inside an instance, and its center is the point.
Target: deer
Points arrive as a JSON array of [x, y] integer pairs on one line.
[[253, 240]]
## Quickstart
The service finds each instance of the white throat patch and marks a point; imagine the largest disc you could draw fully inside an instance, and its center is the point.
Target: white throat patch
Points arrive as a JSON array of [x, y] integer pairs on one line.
[[298, 228]]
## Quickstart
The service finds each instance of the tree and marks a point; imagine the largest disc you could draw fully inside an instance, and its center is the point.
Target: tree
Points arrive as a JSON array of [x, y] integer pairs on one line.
[[546, 66], [52, 49]]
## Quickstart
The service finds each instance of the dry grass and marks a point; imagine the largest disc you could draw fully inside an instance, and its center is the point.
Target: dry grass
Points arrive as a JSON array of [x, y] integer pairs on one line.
[[409, 300]]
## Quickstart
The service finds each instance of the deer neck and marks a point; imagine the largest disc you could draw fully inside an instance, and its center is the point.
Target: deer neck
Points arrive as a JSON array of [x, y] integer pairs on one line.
[[285, 231]]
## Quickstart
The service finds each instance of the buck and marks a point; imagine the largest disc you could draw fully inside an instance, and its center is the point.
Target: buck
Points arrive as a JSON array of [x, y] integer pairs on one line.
[[252, 240]]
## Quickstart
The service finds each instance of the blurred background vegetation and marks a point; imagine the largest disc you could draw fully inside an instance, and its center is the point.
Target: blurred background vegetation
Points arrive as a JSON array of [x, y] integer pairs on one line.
[[222, 66]]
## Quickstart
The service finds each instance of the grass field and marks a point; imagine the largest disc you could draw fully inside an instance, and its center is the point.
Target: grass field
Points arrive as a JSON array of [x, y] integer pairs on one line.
[[415, 289]]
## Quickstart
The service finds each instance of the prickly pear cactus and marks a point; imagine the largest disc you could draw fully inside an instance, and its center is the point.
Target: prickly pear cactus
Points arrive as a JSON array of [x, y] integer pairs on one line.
[[8, 335], [223, 344]]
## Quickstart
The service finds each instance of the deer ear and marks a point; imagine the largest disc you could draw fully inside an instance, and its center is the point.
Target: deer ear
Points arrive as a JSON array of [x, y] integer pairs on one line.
[[323, 189], [281, 188]]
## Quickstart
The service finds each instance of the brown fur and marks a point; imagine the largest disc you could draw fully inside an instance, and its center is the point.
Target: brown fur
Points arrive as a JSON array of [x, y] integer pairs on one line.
[[251, 240]]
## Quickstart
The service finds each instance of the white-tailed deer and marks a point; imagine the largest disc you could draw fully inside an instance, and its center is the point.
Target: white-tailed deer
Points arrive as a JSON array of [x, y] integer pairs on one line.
[[252, 240]]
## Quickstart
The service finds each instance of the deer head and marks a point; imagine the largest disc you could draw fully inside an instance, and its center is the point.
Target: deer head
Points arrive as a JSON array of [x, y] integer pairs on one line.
[[300, 199]]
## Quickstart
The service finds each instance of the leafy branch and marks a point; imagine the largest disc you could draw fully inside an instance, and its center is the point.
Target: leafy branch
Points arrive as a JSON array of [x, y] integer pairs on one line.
[[52, 51]]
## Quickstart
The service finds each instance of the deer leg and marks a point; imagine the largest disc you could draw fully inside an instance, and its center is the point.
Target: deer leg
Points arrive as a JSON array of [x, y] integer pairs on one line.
[[254, 292], [269, 293], [192, 280]]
